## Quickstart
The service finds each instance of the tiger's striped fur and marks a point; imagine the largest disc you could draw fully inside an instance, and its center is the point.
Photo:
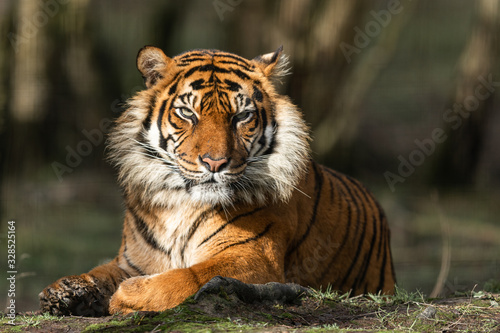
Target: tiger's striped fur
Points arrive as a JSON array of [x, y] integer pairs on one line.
[[217, 180]]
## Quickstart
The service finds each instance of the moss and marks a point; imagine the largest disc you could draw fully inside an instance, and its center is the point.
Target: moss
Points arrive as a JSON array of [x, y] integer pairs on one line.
[[286, 315], [268, 316], [13, 329], [111, 325]]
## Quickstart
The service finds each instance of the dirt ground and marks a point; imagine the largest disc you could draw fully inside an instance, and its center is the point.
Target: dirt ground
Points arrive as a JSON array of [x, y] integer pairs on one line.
[[319, 312]]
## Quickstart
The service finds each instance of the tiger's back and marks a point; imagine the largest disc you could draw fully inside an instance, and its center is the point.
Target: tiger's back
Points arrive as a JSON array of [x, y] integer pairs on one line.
[[217, 179]]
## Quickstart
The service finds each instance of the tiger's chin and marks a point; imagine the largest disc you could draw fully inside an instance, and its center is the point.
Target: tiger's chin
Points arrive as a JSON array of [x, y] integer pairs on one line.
[[213, 194]]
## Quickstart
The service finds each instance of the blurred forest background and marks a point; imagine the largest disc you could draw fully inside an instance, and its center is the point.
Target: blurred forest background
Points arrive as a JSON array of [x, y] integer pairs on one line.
[[400, 94]]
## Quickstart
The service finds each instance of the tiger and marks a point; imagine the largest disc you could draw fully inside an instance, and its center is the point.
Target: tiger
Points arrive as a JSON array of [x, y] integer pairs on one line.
[[217, 177]]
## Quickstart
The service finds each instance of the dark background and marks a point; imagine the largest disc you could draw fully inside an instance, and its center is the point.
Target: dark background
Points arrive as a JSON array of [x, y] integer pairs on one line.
[[377, 82]]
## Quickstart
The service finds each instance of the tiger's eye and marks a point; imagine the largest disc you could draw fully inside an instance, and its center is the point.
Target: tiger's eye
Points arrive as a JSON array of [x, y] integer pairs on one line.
[[243, 115], [186, 112]]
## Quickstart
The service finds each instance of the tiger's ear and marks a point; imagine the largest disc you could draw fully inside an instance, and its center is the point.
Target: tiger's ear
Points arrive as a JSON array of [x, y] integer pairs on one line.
[[152, 63], [274, 64]]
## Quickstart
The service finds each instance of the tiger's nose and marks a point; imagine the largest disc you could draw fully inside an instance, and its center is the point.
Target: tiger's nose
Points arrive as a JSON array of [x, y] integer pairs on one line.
[[213, 165]]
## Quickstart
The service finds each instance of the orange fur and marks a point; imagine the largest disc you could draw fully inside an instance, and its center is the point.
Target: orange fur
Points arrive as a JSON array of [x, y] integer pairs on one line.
[[217, 180]]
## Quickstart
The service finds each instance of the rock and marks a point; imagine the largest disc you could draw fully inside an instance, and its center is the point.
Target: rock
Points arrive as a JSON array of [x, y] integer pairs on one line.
[[428, 313]]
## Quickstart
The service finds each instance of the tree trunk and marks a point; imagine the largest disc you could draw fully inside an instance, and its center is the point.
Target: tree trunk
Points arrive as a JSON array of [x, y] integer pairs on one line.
[[471, 102]]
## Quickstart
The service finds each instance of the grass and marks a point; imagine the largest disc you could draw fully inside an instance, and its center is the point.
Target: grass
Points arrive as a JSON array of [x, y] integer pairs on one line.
[[322, 311], [404, 311]]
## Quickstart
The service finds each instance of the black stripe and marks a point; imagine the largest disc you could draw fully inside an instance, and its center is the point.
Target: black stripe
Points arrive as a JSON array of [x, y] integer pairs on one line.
[[272, 144], [248, 122], [180, 141], [366, 261], [175, 81], [376, 230], [173, 88], [152, 104], [257, 94], [188, 170], [241, 74], [146, 233], [236, 174], [243, 141], [359, 242], [263, 116], [382, 226], [191, 71], [206, 101], [194, 226], [163, 143], [131, 264], [213, 68], [235, 57], [163, 140], [384, 263], [181, 158], [332, 194], [189, 54], [378, 226], [228, 223], [171, 122], [223, 99], [227, 62], [197, 84], [248, 240], [185, 96], [384, 235], [188, 61], [150, 152], [263, 139], [318, 180], [334, 257], [233, 86], [160, 115]]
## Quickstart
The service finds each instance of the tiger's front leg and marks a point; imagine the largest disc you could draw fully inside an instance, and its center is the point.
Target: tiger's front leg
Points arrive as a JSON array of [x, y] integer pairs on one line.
[[167, 290], [83, 295]]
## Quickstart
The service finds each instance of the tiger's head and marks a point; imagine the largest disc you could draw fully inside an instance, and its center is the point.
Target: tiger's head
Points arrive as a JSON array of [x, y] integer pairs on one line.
[[209, 129]]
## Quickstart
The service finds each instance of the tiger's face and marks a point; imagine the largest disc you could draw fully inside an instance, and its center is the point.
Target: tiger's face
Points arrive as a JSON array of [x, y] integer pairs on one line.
[[211, 118], [210, 127]]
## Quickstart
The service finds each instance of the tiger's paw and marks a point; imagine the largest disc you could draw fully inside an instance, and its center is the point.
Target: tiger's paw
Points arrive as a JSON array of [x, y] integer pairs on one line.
[[134, 295], [74, 295], [273, 292]]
